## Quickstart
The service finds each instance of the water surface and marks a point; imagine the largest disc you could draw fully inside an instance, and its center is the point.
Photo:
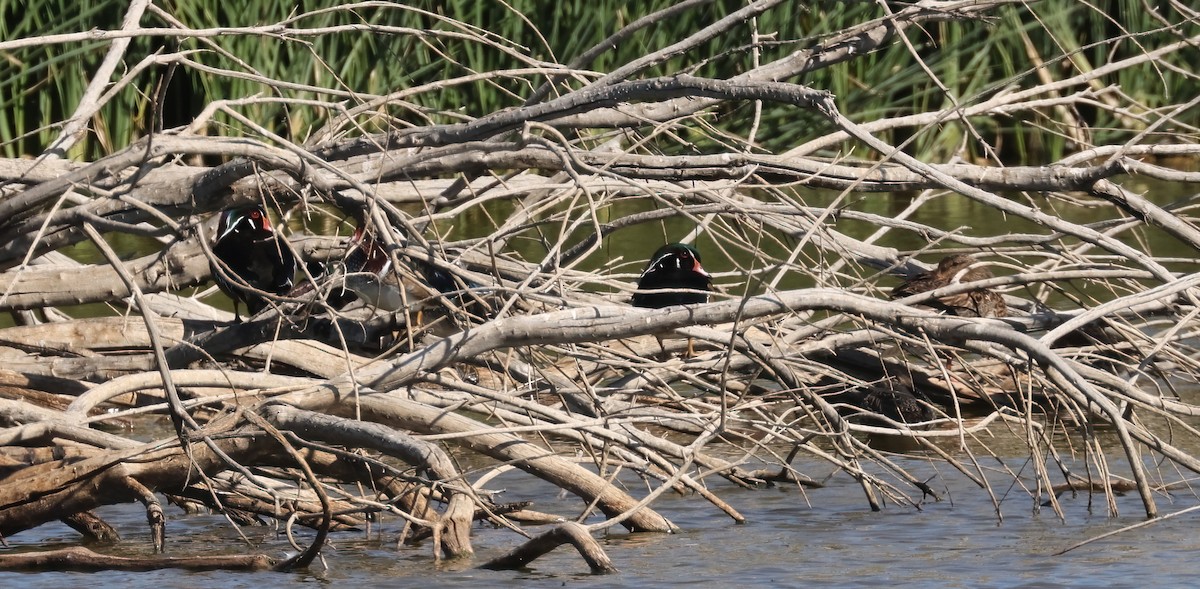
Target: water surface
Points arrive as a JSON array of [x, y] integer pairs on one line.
[[823, 537]]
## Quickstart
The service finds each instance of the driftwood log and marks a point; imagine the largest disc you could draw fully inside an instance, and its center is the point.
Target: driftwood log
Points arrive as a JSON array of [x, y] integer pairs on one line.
[[84, 560], [122, 377]]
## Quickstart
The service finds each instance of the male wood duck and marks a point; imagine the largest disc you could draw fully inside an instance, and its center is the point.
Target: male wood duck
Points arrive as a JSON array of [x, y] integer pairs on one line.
[[371, 276], [673, 266], [463, 293], [953, 270], [256, 260]]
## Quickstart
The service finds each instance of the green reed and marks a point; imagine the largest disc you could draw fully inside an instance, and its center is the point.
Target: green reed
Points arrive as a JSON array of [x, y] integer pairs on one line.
[[41, 85]]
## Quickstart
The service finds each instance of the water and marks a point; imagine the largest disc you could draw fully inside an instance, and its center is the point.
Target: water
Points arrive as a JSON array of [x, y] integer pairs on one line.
[[820, 537]]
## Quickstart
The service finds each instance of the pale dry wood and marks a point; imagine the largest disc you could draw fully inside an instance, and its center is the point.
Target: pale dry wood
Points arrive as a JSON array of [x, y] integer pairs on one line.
[[455, 523], [84, 560], [566, 533], [556, 369], [402, 413], [175, 268], [47, 491]]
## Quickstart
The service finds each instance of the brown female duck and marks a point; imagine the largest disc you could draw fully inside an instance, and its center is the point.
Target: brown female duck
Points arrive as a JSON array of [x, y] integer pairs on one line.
[[956, 269]]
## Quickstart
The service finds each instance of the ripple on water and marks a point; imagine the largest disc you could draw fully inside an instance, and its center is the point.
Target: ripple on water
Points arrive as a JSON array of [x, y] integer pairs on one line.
[[822, 537]]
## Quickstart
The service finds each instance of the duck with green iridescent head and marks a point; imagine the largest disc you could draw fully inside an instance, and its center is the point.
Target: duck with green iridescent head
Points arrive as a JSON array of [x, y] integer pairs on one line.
[[673, 276], [412, 285], [254, 260], [371, 275], [675, 266]]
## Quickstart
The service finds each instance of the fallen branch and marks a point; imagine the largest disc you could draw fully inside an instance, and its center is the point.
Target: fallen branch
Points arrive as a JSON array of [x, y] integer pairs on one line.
[[567, 533], [84, 560]]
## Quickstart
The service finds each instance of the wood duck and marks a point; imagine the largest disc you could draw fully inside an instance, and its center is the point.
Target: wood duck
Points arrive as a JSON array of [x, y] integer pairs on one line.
[[673, 266], [255, 259], [953, 270], [463, 293], [371, 276], [897, 404], [885, 405]]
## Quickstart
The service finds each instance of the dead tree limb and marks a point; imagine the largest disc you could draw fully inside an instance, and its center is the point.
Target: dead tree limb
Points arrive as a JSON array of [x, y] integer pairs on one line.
[[568, 533], [84, 560]]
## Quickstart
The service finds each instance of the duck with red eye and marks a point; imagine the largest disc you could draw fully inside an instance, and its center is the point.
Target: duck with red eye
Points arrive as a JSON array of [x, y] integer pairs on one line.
[[254, 259], [674, 266], [371, 276]]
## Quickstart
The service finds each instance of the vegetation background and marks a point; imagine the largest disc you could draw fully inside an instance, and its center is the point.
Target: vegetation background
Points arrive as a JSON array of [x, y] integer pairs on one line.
[[1019, 45]]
